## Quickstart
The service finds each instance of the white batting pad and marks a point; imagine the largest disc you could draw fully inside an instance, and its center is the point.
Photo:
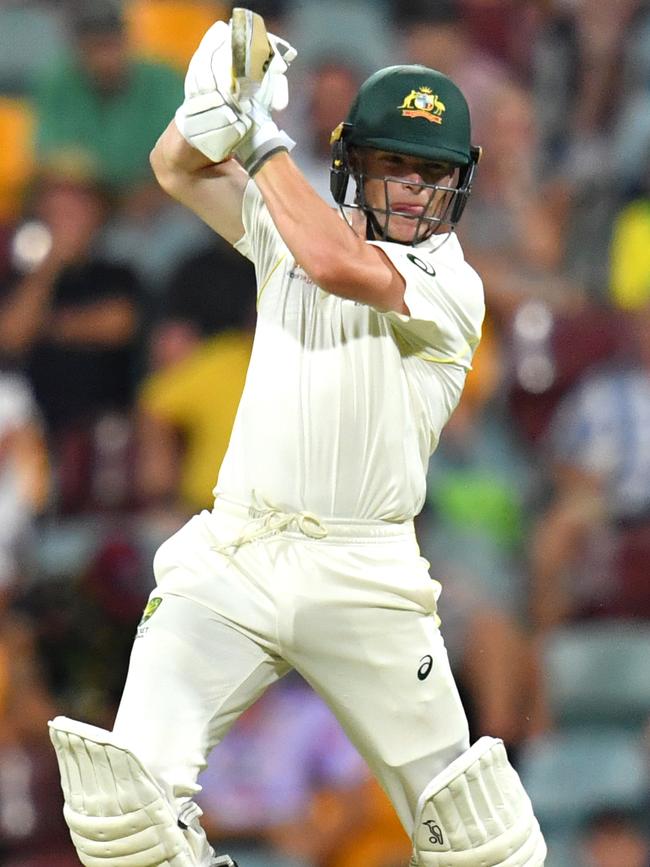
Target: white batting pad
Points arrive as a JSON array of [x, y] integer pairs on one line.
[[117, 814], [476, 813]]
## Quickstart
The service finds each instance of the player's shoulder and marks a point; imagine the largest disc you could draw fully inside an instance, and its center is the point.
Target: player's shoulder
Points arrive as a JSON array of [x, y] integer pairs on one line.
[[439, 257]]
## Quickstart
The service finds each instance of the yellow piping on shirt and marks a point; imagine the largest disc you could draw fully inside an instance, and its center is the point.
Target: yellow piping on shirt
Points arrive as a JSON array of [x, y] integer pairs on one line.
[[271, 273], [433, 360], [406, 346]]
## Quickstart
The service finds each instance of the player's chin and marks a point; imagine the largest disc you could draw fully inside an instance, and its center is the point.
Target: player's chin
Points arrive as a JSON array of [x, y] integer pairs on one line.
[[403, 228]]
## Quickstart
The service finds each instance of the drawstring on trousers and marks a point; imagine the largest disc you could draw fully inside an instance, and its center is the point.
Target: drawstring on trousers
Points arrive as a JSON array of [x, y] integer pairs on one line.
[[270, 519]]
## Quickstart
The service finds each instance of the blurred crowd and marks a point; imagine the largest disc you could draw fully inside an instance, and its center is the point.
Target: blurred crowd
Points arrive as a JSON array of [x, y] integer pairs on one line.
[[125, 332]]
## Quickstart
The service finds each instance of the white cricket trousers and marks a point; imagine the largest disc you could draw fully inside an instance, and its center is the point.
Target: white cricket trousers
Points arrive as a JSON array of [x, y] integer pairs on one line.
[[353, 612]]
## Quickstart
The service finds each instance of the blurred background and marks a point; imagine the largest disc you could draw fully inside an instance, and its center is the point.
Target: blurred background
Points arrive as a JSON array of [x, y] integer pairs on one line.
[[125, 332]]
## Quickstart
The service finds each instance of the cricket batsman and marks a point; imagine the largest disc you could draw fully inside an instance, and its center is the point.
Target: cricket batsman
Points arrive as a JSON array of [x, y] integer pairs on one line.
[[368, 317]]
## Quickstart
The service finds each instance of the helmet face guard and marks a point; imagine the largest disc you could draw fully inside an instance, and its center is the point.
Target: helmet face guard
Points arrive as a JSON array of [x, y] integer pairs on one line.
[[442, 209], [416, 112]]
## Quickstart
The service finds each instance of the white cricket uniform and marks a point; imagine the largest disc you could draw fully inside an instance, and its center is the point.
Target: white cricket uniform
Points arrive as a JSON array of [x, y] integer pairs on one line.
[[309, 558], [343, 405]]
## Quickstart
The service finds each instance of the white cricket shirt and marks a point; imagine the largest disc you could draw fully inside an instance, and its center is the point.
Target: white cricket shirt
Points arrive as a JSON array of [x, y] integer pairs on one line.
[[344, 404]]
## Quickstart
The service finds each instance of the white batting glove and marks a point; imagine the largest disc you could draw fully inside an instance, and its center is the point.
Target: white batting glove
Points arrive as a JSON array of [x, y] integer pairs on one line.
[[210, 118], [263, 140], [260, 63]]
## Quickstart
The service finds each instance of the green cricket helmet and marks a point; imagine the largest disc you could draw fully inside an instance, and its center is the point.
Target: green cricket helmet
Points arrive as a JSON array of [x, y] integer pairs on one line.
[[411, 110]]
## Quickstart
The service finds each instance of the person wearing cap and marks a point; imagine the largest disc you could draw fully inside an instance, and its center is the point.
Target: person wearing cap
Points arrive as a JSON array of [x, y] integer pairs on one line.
[[368, 317]]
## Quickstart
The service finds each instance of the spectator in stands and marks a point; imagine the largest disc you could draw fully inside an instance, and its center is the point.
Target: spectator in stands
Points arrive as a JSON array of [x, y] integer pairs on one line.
[[331, 86], [514, 234], [199, 353], [630, 249], [23, 474], [32, 830], [71, 318], [211, 291], [578, 64], [613, 838], [186, 414], [110, 107], [285, 786], [103, 102], [591, 547], [590, 129], [631, 134]]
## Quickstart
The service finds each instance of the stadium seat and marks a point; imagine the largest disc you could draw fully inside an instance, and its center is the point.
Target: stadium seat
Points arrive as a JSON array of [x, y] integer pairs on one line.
[[33, 36], [16, 147], [569, 775], [170, 30], [599, 674]]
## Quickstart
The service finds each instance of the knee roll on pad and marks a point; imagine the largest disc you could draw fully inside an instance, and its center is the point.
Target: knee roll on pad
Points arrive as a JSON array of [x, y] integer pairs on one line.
[[475, 813], [117, 814]]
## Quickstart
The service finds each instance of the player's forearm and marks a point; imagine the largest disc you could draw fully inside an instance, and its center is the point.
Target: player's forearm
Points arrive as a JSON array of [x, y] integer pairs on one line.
[[181, 170], [313, 231], [336, 258], [213, 191], [172, 157]]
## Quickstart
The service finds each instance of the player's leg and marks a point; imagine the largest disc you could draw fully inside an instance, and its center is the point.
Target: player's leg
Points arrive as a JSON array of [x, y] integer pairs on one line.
[[477, 812], [116, 812], [385, 673], [368, 641], [130, 791]]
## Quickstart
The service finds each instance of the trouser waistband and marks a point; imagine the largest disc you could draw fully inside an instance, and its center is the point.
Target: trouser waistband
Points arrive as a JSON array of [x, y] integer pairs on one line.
[[264, 518]]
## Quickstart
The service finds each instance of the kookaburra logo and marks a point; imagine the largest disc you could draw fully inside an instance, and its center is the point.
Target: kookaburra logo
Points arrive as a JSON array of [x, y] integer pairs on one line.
[[435, 832], [423, 103]]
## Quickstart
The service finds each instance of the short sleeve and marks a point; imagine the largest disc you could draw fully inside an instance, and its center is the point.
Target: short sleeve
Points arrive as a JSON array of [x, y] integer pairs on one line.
[[446, 305], [261, 241]]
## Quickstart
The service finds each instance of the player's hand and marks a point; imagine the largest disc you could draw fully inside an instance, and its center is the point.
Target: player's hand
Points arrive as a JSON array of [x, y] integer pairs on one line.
[[210, 118], [260, 63]]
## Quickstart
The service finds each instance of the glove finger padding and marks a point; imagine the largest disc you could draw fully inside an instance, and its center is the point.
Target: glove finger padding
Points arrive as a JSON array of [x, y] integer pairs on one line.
[[210, 119], [211, 125], [274, 89], [211, 65]]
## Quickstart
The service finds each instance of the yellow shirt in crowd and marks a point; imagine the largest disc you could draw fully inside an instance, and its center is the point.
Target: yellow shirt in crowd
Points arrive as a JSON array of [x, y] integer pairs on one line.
[[199, 397]]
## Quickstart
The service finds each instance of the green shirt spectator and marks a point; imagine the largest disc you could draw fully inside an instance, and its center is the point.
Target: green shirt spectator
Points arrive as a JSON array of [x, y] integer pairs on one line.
[[103, 104]]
